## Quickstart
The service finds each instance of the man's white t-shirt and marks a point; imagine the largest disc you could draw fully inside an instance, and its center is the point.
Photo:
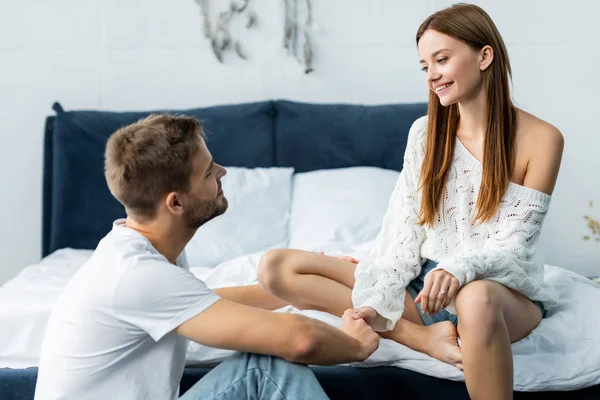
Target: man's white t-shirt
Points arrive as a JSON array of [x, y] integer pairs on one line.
[[110, 335]]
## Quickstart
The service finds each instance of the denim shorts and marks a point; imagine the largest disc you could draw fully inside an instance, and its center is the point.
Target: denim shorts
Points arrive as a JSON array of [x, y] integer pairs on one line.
[[417, 284]]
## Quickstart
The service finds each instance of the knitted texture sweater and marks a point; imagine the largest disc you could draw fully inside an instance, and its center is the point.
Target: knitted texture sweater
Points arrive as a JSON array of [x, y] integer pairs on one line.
[[502, 249]]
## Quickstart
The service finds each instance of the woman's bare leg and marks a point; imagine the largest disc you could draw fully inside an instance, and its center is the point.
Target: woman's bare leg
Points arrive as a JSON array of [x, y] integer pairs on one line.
[[490, 318], [309, 280]]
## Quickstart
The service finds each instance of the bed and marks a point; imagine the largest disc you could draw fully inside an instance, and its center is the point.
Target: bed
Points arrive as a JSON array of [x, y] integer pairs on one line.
[[319, 177]]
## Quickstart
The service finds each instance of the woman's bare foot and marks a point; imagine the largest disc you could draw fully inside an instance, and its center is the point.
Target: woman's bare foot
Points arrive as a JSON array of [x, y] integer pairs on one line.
[[442, 343]]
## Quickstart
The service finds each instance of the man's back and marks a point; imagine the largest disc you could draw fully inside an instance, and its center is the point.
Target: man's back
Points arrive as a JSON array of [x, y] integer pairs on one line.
[[111, 333]]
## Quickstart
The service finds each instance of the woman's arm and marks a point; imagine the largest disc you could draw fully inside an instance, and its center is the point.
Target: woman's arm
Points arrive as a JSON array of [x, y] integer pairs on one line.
[[544, 164], [382, 276]]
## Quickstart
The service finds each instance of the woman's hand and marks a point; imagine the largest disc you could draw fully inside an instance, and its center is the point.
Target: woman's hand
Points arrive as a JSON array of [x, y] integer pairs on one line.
[[439, 289], [347, 258]]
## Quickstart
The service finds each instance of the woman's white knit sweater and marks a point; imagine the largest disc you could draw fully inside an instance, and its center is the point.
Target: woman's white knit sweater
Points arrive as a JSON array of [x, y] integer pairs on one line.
[[502, 249]]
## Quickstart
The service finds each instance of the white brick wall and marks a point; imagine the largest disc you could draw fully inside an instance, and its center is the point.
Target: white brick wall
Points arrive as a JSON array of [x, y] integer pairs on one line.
[[136, 55]]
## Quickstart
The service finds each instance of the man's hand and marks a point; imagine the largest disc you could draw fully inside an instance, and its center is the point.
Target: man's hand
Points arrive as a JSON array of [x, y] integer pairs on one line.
[[361, 332], [367, 314], [439, 289]]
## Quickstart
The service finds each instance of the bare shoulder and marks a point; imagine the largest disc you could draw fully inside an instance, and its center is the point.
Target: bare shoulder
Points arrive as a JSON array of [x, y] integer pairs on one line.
[[543, 145], [535, 132]]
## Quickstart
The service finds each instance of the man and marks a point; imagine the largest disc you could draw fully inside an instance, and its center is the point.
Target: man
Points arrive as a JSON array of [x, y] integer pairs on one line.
[[120, 328]]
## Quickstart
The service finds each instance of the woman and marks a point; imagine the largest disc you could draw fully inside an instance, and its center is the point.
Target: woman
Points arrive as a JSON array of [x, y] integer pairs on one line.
[[458, 242]]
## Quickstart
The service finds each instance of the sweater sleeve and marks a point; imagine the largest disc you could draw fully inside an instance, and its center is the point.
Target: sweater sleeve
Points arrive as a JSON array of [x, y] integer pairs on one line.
[[509, 257], [383, 275]]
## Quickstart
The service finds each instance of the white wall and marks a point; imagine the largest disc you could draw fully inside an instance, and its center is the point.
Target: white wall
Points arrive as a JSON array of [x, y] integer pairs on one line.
[[137, 55]]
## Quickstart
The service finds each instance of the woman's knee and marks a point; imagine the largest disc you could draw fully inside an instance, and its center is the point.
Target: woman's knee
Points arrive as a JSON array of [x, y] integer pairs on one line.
[[271, 272], [479, 306]]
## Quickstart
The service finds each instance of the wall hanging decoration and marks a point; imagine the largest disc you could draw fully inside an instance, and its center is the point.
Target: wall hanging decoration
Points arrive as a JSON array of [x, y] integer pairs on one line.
[[219, 32], [593, 225], [297, 28], [294, 32]]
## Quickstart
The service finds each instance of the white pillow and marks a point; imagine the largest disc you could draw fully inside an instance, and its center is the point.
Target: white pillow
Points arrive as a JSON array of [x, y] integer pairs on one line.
[[256, 220], [345, 205]]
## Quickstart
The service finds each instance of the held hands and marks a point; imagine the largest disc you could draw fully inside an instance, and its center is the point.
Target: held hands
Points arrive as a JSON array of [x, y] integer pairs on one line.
[[439, 289], [368, 314], [358, 329]]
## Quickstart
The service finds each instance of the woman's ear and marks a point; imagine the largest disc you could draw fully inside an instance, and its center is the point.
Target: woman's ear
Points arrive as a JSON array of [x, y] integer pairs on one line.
[[486, 57]]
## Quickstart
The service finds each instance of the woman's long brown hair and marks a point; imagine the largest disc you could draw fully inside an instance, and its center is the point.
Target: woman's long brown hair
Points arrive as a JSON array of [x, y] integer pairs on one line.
[[472, 25]]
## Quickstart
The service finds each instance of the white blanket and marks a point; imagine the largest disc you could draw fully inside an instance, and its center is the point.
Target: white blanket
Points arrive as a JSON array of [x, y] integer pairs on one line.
[[562, 353]]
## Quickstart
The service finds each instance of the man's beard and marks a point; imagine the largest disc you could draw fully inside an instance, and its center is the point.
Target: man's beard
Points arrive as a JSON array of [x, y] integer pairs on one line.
[[200, 212]]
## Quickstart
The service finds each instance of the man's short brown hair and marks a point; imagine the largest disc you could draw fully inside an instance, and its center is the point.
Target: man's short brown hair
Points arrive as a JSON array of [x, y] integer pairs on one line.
[[149, 158]]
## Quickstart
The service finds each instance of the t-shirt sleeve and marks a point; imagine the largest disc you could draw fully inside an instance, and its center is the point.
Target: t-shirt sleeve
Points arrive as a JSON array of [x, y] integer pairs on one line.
[[158, 296]]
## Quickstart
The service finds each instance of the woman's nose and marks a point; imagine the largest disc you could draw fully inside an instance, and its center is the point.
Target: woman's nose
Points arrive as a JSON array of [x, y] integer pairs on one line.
[[432, 75]]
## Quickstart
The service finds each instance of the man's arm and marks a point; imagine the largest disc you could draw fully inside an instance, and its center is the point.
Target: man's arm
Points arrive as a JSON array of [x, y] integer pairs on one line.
[[252, 295], [295, 338]]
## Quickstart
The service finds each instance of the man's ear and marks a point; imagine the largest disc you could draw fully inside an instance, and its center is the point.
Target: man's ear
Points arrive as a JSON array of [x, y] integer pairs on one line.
[[486, 57], [174, 203]]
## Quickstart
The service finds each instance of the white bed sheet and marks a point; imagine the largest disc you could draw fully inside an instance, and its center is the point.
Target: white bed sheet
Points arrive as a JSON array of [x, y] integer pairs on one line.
[[568, 340], [26, 303]]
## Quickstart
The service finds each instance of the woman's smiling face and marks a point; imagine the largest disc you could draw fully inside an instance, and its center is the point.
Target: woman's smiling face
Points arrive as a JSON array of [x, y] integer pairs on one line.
[[453, 69]]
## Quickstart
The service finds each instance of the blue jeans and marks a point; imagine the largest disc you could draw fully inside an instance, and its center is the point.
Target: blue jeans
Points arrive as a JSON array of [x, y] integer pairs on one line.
[[253, 377]]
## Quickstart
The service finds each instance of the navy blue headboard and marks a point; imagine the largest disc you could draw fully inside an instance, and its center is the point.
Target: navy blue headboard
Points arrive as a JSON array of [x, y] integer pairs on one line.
[[78, 209]]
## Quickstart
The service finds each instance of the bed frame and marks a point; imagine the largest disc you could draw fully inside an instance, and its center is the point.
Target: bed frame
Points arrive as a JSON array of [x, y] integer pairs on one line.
[[78, 210]]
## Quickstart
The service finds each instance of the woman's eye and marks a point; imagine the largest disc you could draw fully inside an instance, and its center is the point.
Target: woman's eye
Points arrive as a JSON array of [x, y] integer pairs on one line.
[[442, 60], [424, 69]]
